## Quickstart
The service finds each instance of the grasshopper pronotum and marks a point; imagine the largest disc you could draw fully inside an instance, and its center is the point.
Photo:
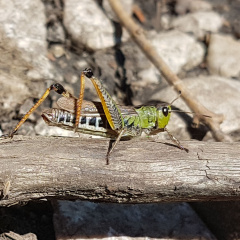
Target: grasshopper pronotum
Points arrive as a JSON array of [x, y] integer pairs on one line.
[[105, 118]]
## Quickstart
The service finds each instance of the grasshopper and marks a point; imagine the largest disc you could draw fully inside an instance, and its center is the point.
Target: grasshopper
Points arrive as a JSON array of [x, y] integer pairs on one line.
[[105, 118]]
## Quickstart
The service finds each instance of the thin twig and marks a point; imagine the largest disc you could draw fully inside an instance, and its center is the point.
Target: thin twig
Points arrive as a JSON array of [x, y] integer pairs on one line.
[[139, 37]]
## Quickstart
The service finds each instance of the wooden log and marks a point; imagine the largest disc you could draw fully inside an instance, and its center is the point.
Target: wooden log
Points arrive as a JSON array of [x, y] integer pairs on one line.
[[140, 171]]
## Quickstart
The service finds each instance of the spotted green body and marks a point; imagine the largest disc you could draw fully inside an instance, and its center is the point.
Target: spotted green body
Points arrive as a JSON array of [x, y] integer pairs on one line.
[[93, 120], [148, 118]]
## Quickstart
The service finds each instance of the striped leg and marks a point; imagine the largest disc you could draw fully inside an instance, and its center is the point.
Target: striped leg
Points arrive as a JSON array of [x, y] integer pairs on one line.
[[58, 88], [80, 101]]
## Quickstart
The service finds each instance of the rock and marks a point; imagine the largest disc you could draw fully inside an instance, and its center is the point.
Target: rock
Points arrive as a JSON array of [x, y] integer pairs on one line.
[[198, 23], [179, 50], [148, 80], [80, 64], [109, 62], [224, 56], [55, 30], [83, 220], [71, 78], [220, 95], [19, 21], [127, 5], [13, 92], [148, 76], [13, 235], [165, 21], [134, 58], [55, 33], [121, 34], [184, 6], [87, 25], [57, 50], [13, 82]]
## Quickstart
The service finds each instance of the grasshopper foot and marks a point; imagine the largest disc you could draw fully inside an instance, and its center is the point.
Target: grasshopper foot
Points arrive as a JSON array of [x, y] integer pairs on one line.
[[183, 148], [5, 136]]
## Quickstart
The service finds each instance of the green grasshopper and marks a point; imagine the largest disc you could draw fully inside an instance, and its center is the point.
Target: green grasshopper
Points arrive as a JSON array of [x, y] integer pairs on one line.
[[105, 118]]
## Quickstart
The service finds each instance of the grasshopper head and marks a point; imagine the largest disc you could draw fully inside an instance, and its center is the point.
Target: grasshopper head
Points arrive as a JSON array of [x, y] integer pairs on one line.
[[163, 115], [164, 112]]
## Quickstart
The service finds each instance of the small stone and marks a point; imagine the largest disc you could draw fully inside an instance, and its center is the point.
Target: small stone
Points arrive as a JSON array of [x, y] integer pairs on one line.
[[13, 92], [81, 64], [199, 23], [127, 6], [71, 78], [184, 6], [13, 235], [20, 23], [88, 25], [55, 33], [224, 56], [165, 21], [58, 50], [148, 76], [179, 50]]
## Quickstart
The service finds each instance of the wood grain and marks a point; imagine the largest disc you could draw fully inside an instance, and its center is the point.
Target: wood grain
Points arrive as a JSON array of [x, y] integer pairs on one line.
[[140, 171]]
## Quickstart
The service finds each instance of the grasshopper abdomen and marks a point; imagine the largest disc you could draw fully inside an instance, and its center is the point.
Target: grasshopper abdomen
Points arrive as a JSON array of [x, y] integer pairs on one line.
[[94, 124]]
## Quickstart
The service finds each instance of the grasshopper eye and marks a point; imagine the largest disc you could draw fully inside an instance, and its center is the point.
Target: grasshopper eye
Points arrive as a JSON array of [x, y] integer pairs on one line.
[[165, 111]]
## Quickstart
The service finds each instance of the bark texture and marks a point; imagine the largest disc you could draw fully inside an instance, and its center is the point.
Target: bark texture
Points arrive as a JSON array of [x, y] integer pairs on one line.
[[140, 171]]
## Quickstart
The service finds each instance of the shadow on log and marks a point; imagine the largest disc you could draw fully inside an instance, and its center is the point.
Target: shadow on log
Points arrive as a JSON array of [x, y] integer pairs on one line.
[[140, 171]]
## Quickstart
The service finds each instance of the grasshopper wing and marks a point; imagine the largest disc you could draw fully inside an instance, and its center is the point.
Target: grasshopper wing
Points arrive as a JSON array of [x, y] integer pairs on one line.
[[88, 107]]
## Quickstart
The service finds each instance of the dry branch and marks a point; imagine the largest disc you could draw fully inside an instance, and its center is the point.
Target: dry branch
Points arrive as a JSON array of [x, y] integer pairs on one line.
[[144, 44], [140, 170]]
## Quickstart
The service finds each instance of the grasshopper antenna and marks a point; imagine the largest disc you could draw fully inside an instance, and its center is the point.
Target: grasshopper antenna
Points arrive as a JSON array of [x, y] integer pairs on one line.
[[179, 95], [191, 113]]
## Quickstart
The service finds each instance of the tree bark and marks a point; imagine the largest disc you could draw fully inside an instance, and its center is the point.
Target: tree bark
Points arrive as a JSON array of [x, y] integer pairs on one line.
[[140, 171]]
